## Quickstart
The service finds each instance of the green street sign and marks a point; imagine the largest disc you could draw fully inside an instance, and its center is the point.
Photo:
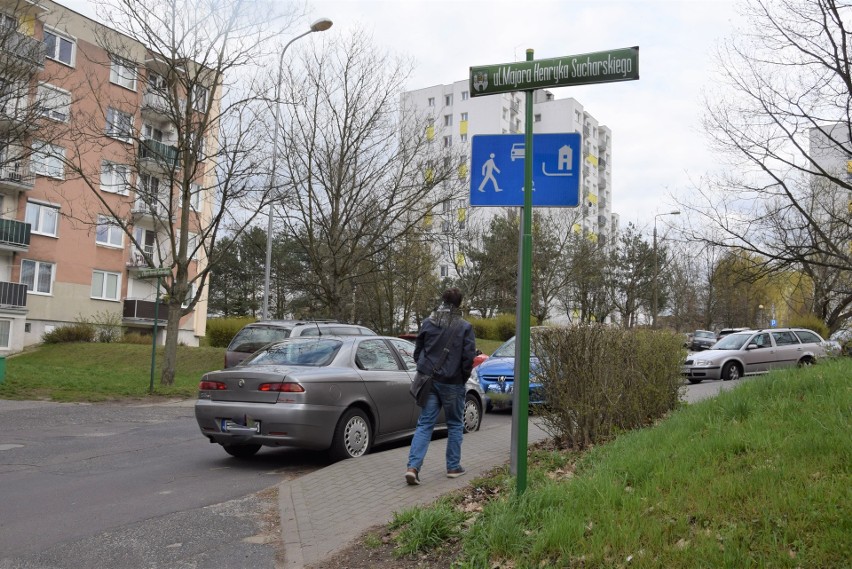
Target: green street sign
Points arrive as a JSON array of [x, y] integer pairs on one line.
[[153, 273], [585, 69]]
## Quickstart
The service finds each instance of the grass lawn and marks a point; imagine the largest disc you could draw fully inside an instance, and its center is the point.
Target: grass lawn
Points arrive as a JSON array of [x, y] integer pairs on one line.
[[755, 477], [93, 372], [102, 372]]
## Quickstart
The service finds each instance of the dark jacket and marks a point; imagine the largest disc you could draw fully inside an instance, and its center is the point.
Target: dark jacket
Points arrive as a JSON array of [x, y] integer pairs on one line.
[[461, 345]]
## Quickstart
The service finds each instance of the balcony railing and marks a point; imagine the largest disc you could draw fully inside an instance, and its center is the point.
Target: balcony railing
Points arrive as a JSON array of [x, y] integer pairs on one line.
[[155, 101], [14, 234], [163, 154], [13, 294], [23, 48], [138, 309], [17, 172]]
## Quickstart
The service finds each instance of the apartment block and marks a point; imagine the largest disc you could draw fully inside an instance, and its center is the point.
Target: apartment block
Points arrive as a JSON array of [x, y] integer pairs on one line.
[[85, 130], [455, 117]]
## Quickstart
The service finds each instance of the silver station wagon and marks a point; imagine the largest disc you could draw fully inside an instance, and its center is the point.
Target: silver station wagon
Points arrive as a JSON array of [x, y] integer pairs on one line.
[[340, 393], [752, 352]]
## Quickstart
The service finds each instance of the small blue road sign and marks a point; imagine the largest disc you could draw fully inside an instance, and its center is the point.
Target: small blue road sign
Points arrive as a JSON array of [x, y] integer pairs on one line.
[[497, 170]]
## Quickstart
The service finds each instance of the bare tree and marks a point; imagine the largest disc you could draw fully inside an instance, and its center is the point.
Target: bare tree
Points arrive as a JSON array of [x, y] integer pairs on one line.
[[359, 172], [194, 169], [782, 117]]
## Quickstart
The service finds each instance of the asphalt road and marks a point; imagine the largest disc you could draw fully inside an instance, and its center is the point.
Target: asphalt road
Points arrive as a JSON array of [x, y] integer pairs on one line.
[[132, 486], [136, 486]]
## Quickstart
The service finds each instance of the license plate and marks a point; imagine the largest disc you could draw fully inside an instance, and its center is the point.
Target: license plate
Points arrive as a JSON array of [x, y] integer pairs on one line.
[[226, 425]]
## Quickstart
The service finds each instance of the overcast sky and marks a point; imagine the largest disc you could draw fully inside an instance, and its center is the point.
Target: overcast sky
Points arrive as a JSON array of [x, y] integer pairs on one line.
[[658, 146]]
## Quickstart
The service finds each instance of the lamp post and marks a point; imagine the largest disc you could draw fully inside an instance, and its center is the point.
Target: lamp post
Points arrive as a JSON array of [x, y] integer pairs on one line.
[[656, 270], [320, 25]]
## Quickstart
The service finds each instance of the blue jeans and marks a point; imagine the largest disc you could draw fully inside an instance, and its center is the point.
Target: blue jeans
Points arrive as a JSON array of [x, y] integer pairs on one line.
[[451, 398]]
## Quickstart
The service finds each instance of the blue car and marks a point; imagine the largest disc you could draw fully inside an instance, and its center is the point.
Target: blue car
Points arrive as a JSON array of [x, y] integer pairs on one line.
[[496, 376]]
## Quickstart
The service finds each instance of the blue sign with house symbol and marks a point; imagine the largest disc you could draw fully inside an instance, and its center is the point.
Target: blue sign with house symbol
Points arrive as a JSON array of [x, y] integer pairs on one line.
[[497, 170]]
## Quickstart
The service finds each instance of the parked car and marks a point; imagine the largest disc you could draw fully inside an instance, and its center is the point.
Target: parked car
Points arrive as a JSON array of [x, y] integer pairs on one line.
[[341, 393], [496, 376], [702, 340], [725, 331], [256, 335], [479, 358], [753, 352]]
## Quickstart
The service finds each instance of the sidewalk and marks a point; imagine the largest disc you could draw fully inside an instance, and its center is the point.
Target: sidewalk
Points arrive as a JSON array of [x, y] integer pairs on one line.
[[325, 511]]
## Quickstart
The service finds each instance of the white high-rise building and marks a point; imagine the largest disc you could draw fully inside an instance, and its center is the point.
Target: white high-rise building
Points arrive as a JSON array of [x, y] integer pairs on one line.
[[456, 117]]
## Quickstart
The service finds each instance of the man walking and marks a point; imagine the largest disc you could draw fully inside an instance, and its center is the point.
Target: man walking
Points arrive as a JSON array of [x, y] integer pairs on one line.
[[445, 348]]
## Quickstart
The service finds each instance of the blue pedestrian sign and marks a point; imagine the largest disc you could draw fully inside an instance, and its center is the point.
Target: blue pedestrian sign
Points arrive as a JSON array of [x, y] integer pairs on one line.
[[497, 170]]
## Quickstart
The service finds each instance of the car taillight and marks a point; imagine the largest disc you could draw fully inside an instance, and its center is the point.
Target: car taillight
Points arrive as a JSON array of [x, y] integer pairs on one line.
[[282, 387], [211, 386]]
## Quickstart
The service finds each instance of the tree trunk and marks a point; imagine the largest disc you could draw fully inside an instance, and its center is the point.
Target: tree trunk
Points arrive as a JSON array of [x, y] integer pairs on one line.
[[170, 353]]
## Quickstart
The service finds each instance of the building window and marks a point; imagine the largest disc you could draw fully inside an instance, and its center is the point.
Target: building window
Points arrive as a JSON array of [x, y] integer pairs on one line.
[[5, 333], [109, 233], [463, 137], [119, 124], [448, 141], [122, 72], [505, 113], [150, 132], [37, 275], [431, 101], [148, 195], [199, 98], [156, 82], [465, 95], [43, 219], [48, 159], [448, 100], [54, 103], [537, 117], [192, 246], [188, 298], [59, 48], [445, 271], [105, 286], [464, 116], [194, 197], [448, 120], [115, 178]]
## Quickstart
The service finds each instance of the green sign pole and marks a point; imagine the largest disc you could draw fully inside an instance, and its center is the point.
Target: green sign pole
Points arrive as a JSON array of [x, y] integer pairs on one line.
[[521, 396]]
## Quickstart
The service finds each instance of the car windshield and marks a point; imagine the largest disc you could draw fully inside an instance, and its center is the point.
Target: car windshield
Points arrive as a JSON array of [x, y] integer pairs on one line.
[[252, 338], [705, 334], [314, 352], [732, 342], [507, 350]]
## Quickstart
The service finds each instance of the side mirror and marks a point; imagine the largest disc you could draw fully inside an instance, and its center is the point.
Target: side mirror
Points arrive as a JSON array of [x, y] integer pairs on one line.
[[752, 347]]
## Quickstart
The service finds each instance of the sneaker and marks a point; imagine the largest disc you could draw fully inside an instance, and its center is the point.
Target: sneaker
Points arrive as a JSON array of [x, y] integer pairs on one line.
[[456, 472], [412, 477]]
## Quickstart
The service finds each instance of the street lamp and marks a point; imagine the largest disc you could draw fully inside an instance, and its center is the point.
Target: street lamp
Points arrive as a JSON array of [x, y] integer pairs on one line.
[[320, 25], [656, 270]]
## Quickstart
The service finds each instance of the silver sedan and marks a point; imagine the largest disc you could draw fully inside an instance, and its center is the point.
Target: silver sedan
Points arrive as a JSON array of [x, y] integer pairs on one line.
[[341, 393]]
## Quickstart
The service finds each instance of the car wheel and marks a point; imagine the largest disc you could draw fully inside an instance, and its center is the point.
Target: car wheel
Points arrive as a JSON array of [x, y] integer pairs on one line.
[[241, 451], [730, 372], [352, 436], [806, 362], [695, 380], [472, 413]]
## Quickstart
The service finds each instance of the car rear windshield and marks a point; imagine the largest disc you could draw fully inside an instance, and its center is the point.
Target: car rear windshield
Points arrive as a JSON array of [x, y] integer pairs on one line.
[[315, 352], [704, 334], [252, 338]]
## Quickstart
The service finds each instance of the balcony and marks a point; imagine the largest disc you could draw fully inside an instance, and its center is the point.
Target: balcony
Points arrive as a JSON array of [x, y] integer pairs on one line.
[[14, 235], [162, 156], [13, 295], [155, 104], [22, 52], [137, 311], [16, 174]]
